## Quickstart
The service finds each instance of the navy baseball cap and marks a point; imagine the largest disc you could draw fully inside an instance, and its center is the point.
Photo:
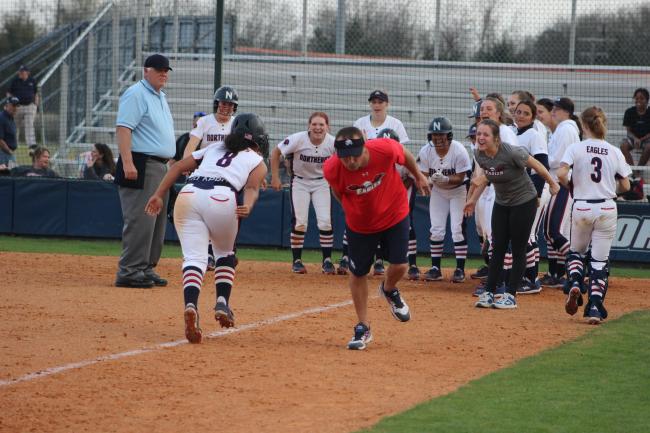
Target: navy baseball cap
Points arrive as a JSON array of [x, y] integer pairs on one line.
[[476, 110], [564, 103], [12, 100], [472, 131], [23, 68], [378, 94], [199, 114], [349, 147], [157, 61]]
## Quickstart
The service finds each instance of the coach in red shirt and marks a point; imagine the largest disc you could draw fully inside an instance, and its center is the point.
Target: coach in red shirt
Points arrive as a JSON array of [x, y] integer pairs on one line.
[[364, 179]]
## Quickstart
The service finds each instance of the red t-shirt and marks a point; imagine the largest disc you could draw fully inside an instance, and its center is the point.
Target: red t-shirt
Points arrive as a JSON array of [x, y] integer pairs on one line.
[[373, 197]]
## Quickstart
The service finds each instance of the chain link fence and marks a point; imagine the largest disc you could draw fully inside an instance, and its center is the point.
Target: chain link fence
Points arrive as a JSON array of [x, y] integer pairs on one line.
[[289, 58]]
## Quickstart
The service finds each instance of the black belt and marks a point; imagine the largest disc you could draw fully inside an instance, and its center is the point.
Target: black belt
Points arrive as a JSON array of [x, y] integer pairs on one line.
[[202, 182], [159, 159], [602, 200], [306, 178]]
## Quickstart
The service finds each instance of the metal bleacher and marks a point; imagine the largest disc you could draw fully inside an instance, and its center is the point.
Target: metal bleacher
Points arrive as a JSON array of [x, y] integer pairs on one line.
[[284, 92]]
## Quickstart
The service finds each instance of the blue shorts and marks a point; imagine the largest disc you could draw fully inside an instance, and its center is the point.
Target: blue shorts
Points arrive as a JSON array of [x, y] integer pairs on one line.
[[394, 242]]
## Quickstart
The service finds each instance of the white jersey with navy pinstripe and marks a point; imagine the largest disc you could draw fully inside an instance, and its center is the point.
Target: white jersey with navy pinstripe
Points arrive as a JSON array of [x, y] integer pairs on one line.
[[364, 123], [210, 131], [308, 158], [217, 162], [455, 161], [595, 163]]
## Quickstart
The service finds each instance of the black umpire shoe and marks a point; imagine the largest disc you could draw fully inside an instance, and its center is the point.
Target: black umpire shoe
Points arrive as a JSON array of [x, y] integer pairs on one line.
[[134, 283], [157, 279]]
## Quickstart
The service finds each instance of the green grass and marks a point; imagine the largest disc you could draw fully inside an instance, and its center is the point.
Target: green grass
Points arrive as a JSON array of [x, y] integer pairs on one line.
[[598, 383], [94, 247]]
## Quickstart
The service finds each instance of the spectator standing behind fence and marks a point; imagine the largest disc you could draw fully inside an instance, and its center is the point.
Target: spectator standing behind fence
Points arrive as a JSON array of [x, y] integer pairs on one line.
[[8, 141], [40, 165], [145, 137], [25, 89], [637, 122], [100, 164]]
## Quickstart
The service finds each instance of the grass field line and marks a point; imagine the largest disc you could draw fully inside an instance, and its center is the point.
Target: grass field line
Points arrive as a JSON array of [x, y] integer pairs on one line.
[[160, 346]]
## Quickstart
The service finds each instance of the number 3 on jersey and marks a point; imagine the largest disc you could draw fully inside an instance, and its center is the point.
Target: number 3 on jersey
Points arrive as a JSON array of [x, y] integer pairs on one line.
[[597, 175], [228, 156]]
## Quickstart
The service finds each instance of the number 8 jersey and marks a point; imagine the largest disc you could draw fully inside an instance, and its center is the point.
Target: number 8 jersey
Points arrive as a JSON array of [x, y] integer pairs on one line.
[[595, 164], [216, 162]]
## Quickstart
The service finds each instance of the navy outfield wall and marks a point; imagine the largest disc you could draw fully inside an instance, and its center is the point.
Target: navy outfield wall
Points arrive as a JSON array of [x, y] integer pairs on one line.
[[78, 208]]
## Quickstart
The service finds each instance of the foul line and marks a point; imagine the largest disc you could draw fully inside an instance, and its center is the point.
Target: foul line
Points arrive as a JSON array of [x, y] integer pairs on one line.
[[76, 365]]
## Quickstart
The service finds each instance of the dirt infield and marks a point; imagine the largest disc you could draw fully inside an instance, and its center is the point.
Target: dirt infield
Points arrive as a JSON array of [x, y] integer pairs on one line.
[[284, 375]]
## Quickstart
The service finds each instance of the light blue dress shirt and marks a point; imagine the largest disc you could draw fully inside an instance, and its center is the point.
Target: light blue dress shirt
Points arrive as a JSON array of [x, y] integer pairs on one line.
[[146, 113]]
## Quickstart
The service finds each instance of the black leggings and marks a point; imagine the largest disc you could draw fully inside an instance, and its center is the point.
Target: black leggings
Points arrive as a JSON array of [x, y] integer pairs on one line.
[[510, 225]]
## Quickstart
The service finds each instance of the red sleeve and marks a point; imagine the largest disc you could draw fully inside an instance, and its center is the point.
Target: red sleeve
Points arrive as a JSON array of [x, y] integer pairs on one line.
[[330, 170]]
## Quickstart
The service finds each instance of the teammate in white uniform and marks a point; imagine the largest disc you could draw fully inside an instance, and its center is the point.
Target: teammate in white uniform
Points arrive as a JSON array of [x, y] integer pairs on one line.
[[213, 129], [596, 166], [447, 164], [308, 150], [530, 139], [557, 223], [371, 125], [522, 95], [206, 209]]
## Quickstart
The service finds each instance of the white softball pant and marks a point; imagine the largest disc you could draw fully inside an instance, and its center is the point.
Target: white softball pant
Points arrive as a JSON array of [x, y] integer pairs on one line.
[[483, 213], [595, 224], [317, 191], [539, 215], [201, 215], [445, 202]]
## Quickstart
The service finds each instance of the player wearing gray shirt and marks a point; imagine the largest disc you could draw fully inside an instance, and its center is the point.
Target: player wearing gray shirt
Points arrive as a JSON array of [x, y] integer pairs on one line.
[[514, 207]]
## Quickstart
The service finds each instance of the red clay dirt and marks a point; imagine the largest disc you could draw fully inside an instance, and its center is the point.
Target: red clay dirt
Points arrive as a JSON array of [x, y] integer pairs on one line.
[[289, 376]]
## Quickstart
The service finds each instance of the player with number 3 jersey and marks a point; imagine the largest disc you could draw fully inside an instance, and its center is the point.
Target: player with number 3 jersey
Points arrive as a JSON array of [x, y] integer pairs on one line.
[[597, 169]]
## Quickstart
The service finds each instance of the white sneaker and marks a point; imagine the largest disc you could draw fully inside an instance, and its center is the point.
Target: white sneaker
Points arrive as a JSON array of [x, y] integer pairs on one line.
[[507, 301], [485, 300]]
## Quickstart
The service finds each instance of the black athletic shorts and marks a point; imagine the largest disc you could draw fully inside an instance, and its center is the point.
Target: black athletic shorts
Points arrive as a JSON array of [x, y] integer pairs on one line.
[[394, 242]]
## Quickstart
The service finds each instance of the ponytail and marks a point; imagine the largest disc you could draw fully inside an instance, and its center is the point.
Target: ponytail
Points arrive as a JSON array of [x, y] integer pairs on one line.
[[595, 120], [578, 124]]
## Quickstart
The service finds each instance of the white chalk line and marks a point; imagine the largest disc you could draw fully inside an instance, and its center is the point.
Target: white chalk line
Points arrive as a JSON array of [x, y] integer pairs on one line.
[[216, 334]]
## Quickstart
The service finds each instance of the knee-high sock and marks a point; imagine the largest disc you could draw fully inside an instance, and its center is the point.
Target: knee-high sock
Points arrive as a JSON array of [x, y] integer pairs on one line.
[[435, 247], [192, 282], [326, 238], [224, 275], [297, 241], [460, 249]]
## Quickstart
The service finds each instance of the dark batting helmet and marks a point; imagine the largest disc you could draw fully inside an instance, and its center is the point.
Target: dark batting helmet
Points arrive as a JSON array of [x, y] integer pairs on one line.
[[249, 129], [476, 110], [388, 133], [226, 94], [440, 125]]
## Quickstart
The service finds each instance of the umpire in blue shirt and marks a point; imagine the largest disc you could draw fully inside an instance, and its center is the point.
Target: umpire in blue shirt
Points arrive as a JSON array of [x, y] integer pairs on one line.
[[146, 141]]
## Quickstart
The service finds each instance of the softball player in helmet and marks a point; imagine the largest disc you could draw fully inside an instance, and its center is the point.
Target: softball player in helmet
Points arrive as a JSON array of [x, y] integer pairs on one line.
[[206, 209], [308, 151], [446, 162], [596, 165], [371, 125], [213, 129]]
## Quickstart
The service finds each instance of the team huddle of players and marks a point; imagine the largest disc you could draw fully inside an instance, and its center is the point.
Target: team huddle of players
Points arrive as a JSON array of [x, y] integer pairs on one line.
[[547, 130]]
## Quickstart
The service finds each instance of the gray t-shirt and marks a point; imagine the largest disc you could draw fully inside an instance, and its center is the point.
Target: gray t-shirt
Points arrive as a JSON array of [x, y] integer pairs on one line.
[[507, 172]]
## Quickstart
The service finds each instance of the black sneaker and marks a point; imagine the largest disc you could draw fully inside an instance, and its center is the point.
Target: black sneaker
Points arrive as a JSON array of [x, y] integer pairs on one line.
[[398, 307], [224, 315], [481, 273], [328, 267], [459, 276], [344, 266], [413, 273], [378, 268], [298, 267], [362, 336], [433, 274], [192, 329]]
